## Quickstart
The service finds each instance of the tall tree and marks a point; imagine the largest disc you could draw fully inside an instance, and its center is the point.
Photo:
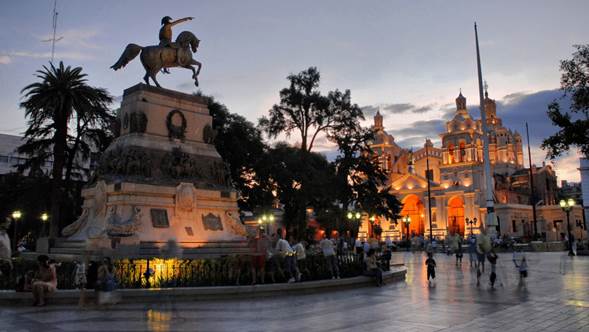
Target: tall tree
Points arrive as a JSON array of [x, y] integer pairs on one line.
[[49, 106], [303, 109], [574, 126], [360, 179]]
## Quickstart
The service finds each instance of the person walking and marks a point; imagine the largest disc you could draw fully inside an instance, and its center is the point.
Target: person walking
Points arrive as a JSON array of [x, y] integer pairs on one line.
[[492, 257], [284, 249], [521, 264], [431, 268], [472, 252], [328, 250]]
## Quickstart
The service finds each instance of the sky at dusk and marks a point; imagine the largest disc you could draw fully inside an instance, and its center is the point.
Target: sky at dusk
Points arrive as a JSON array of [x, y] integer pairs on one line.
[[406, 58]]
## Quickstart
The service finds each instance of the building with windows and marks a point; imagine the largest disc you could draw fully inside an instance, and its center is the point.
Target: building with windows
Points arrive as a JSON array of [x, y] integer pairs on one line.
[[457, 180]]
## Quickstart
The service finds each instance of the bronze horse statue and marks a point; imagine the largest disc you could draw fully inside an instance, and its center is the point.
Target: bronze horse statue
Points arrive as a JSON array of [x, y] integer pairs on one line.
[[154, 58]]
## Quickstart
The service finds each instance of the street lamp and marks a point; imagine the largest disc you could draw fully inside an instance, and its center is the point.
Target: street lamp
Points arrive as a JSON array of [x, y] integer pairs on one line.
[[567, 206], [471, 223], [16, 215], [407, 221], [44, 217], [266, 219]]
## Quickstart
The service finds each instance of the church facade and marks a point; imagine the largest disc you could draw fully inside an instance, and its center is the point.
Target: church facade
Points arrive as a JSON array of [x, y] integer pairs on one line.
[[457, 180]]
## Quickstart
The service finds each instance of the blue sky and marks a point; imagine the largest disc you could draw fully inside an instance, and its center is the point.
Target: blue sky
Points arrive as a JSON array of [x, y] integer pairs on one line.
[[418, 53]]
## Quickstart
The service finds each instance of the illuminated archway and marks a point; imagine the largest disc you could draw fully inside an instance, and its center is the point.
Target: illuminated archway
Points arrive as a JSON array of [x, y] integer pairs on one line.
[[413, 207], [456, 215]]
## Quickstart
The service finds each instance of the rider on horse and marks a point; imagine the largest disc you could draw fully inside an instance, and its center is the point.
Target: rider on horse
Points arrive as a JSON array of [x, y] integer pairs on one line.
[[166, 33]]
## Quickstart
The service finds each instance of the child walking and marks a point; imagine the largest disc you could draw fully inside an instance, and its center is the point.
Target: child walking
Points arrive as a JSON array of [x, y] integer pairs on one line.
[[431, 267], [492, 257]]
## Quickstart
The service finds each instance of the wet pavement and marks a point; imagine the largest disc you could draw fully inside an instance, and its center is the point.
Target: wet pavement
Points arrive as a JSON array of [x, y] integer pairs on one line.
[[555, 298]]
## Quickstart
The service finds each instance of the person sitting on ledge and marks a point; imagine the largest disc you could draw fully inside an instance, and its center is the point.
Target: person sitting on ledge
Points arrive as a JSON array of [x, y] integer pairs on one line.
[[45, 282], [372, 269]]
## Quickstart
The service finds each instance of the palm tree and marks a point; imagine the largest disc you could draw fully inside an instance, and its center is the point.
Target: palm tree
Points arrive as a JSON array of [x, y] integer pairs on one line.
[[49, 105]]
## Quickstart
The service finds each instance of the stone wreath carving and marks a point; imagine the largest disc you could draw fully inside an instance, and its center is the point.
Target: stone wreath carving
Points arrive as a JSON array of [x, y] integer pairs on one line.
[[137, 122], [175, 131]]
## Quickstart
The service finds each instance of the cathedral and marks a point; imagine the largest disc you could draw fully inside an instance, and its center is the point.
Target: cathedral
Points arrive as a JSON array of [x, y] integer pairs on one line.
[[457, 181]]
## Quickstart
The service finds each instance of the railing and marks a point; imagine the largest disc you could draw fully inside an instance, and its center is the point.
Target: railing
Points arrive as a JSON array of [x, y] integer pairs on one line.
[[173, 272]]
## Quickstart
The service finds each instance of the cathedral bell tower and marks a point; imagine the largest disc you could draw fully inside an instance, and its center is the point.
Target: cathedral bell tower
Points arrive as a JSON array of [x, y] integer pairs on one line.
[[378, 121]]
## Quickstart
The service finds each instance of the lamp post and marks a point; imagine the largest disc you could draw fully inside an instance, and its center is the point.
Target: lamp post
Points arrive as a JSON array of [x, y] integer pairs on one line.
[[471, 223], [407, 221], [16, 215], [266, 219], [44, 217], [567, 206]]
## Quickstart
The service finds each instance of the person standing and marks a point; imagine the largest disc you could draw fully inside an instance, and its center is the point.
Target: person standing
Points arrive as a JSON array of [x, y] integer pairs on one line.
[[483, 248], [328, 250], [431, 267], [458, 249], [301, 255], [472, 250], [80, 280], [106, 282], [284, 249]]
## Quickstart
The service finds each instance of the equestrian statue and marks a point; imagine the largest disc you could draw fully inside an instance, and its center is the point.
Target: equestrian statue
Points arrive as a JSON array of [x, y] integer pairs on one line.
[[166, 55]]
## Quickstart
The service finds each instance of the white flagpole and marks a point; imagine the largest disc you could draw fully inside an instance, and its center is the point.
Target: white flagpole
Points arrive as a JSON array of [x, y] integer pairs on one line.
[[491, 221]]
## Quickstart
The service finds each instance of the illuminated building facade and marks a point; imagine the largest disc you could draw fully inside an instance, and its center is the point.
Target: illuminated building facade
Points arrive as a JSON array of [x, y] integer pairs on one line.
[[457, 181]]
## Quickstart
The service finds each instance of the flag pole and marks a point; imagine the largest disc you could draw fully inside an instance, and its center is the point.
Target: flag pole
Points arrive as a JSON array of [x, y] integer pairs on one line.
[[491, 222]]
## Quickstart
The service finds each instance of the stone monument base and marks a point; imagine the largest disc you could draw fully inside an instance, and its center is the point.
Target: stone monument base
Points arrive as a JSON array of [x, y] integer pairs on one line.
[[161, 187]]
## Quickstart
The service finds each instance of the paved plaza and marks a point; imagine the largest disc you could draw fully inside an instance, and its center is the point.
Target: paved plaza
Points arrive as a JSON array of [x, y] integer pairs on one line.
[[556, 298]]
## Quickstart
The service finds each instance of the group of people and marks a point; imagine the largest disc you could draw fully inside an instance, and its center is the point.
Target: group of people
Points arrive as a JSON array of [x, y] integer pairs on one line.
[[278, 252], [269, 254], [101, 277], [480, 249]]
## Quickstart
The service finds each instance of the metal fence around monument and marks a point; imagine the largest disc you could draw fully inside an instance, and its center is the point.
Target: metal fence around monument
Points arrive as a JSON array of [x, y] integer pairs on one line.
[[162, 273]]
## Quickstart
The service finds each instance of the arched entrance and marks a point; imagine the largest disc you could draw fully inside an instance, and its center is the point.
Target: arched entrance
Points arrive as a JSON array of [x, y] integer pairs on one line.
[[456, 215], [413, 207]]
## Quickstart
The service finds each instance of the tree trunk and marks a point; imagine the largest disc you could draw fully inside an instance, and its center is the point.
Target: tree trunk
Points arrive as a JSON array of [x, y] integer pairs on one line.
[[57, 173]]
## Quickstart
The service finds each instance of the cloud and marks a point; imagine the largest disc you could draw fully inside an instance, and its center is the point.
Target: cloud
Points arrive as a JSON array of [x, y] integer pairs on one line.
[[397, 108], [46, 55], [5, 59], [77, 38], [400, 108], [424, 128], [369, 110]]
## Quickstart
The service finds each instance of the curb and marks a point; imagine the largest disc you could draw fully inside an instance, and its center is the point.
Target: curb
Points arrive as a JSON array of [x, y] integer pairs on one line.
[[72, 296]]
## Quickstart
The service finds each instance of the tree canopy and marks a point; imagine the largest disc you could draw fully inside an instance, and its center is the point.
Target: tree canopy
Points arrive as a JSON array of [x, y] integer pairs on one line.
[[303, 109], [574, 126], [59, 99]]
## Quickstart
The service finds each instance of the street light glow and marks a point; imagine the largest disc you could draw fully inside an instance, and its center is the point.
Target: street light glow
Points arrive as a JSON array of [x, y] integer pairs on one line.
[[571, 202], [358, 215], [350, 215], [44, 216], [16, 215]]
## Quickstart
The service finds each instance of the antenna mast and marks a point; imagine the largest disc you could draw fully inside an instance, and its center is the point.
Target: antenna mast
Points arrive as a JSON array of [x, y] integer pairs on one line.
[[53, 40]]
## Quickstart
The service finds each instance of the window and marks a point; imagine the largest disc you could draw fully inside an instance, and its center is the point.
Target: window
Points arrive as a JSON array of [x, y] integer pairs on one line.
[[513, 226], [159, 218]]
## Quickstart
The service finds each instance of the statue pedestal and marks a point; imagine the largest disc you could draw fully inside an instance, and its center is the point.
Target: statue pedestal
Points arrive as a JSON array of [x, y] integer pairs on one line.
[[161, 181]]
